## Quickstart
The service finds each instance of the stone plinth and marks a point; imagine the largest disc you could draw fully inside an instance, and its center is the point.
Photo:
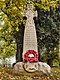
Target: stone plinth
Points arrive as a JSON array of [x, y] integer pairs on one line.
[[32, 67], [44, 67], [18, 66]]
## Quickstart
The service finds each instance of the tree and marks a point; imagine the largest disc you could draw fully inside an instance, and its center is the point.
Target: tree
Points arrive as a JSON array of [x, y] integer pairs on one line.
[[7, 46], [48, 31]]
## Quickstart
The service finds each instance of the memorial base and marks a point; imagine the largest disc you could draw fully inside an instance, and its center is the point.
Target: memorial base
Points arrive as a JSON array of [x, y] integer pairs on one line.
[[32, 67]]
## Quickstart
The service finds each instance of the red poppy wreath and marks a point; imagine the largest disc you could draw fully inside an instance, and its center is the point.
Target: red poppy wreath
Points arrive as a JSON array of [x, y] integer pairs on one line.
[[31, 56]]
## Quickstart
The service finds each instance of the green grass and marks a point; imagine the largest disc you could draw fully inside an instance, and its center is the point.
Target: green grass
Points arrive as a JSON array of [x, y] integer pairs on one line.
[[10, 74]]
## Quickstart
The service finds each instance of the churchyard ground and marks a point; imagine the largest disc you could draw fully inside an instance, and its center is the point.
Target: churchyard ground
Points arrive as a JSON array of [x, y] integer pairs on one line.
[[10, 74]]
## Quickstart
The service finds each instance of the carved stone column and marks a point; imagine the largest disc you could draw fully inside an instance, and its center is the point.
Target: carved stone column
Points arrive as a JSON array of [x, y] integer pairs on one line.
[[30, 38]]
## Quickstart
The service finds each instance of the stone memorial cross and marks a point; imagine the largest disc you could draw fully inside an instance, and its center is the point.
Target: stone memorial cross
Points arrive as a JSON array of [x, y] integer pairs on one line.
[[30, 38]]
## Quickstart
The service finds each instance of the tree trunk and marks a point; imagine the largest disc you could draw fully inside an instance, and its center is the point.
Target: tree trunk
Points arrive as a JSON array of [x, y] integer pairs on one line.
[[19, 41], [19, 53]]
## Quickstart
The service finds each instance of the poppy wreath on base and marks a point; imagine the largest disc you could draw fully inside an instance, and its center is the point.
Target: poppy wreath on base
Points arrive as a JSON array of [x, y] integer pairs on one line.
[[31, 56]]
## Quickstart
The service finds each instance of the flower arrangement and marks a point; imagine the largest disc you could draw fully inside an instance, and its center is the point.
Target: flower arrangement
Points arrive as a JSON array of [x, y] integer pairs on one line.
[[31, 56]]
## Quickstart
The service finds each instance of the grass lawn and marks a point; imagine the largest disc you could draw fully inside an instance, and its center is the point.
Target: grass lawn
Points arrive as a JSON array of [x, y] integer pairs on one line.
[[9, 74]]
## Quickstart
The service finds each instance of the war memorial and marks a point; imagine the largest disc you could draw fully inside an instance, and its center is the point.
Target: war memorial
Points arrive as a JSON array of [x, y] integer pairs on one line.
[[30, 61]]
